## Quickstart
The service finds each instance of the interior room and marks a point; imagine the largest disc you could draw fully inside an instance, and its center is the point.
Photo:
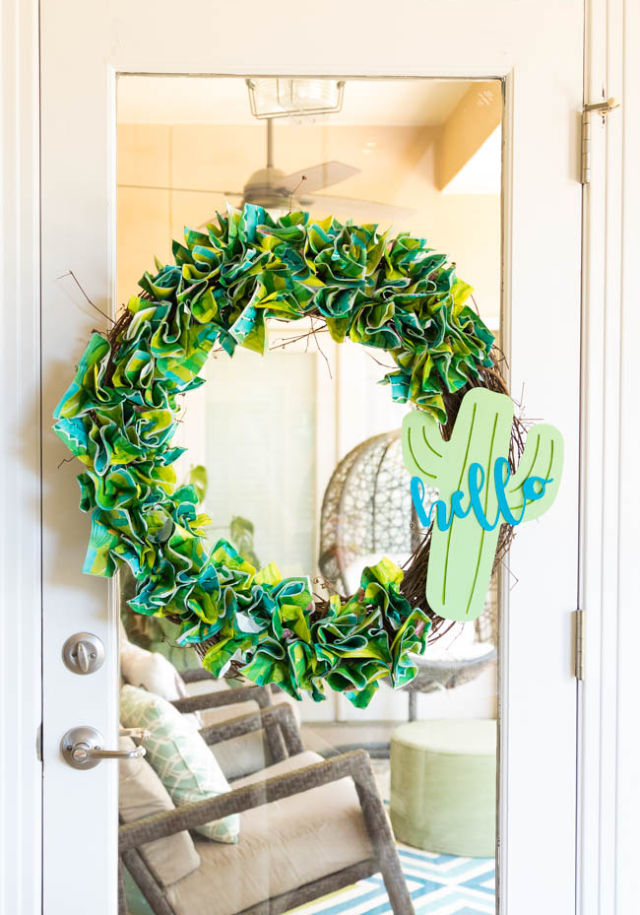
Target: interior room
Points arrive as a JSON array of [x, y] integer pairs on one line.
[[296, 452]]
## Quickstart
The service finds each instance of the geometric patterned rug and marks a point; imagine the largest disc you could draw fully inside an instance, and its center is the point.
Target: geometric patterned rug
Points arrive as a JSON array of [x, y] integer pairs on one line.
[[439, 885]]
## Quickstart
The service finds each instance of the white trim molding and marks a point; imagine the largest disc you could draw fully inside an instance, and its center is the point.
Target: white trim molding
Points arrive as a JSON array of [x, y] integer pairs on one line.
[[609, 749], [20, 551], [609, 743]]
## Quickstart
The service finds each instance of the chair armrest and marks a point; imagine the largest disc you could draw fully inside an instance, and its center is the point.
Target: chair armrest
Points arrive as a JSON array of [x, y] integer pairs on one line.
[[354, 764], [259, 694]]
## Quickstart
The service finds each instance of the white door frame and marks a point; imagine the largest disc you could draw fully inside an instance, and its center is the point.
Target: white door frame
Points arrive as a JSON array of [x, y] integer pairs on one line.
[[608, 765], [609, 799], [20, 592]]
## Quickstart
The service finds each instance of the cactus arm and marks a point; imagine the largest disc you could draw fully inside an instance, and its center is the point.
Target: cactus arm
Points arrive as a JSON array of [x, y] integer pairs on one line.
[[423, 447], [461, 558], [543, 457]]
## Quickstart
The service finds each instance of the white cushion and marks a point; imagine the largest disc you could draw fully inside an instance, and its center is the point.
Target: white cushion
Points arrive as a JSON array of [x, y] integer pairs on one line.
[[458, 644], [210, 685], [240, 755], [153, 672], [142, 794], [282, 846], [185, 764]]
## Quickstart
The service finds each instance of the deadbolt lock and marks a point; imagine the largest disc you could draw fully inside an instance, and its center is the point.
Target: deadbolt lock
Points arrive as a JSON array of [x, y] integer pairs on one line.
[[83, 653]]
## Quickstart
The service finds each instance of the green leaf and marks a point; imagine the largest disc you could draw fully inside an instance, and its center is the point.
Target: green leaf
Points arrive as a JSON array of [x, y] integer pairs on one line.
[[241, 533], [198, 478]]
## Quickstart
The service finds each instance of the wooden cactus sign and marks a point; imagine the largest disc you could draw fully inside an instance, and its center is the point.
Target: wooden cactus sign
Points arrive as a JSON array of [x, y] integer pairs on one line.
[[476, 493]]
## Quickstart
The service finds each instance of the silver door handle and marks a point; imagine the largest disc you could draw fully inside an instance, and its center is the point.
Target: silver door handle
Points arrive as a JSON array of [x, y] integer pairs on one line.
[[83, 748], [134, 733]]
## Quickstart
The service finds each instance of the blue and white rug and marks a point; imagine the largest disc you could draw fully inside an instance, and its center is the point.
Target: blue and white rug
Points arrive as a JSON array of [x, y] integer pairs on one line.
[[439, 885]]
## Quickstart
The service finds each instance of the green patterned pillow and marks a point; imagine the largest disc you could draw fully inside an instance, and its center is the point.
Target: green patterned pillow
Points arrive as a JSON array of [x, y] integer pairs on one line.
[[184, 763]]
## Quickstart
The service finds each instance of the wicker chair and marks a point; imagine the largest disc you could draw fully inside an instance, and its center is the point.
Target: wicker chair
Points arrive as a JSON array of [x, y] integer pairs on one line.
[[197, 690], [296, 785], [367, 513]]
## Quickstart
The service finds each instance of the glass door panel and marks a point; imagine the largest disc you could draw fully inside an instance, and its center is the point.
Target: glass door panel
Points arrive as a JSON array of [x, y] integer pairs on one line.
[[296, 456]]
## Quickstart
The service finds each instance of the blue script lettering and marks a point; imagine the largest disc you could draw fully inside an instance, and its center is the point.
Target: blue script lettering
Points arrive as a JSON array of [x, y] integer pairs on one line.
[[417, 495], [532, 489]]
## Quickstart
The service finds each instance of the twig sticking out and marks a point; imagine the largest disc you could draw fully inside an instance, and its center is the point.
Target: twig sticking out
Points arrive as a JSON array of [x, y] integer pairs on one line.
[[79, 285]]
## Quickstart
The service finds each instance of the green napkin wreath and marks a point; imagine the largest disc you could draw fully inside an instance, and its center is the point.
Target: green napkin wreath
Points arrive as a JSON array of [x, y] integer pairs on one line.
[[119, 415]]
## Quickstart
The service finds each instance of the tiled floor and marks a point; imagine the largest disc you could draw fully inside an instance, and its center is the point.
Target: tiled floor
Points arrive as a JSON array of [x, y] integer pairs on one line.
[[439, 885]]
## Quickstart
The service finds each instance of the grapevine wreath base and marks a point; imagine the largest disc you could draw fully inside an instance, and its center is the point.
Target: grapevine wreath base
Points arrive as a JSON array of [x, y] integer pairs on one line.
[[119, 415]]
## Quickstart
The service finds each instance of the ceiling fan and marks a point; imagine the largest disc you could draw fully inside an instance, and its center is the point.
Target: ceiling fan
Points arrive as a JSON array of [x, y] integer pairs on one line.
[[270, 188]]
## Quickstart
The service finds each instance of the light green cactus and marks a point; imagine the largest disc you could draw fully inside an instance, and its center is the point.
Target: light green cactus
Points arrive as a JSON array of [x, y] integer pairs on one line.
[[461, 557]]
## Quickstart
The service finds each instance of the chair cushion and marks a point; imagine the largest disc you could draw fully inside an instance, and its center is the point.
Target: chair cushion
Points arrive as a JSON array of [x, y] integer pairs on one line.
[[142, 794], [222, 713], [282, 846], [155, 673], [210, 685], [185, 764], [241, 755]]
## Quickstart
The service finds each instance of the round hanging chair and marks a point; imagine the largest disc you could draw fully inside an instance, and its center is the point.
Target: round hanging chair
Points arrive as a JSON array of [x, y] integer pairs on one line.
[[367, 513]]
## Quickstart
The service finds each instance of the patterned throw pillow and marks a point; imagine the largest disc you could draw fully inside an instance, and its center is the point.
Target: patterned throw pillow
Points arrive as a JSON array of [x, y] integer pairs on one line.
[[185, 764]]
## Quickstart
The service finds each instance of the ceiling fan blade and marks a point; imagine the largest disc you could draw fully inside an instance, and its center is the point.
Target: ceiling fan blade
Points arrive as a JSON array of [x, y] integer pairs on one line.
[[369, 209], [185, 190], [311, 179]]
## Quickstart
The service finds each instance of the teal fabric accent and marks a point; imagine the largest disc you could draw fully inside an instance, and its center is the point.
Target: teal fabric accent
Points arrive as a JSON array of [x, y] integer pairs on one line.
[[120, 412], [136, 903], [184, 763]]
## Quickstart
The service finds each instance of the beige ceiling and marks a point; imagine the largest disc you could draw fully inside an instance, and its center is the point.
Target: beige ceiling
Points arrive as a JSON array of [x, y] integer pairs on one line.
[[214, 100]]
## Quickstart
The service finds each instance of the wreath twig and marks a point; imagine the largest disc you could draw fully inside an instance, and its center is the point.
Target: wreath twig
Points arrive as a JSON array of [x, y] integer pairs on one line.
[[118, 417]]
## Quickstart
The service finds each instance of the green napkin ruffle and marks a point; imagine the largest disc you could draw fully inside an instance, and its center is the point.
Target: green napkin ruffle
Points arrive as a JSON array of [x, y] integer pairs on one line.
[[119, 415]]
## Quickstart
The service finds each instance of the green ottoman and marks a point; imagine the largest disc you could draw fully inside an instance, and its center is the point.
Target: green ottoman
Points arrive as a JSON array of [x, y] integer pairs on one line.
[[443, 786]]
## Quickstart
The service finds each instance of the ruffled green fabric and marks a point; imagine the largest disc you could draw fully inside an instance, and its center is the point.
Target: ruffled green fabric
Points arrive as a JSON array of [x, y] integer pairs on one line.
[[119, 415], [273, 624]]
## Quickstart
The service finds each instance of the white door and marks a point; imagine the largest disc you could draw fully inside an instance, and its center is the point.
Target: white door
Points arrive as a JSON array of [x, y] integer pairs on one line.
[[535, 46]]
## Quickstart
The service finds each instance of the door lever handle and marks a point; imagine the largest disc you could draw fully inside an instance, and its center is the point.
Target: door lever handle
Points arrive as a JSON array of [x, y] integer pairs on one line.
[[134, 733], [83, 748]]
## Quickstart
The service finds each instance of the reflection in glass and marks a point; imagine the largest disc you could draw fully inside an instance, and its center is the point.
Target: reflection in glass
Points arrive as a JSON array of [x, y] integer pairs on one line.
[[296, 459]]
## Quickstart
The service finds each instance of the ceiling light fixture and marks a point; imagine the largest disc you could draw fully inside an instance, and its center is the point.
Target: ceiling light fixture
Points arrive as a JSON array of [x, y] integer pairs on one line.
[[282, 98]]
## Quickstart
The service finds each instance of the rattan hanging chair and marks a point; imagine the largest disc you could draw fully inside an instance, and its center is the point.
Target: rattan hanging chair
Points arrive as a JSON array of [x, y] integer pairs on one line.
[[366, 514]]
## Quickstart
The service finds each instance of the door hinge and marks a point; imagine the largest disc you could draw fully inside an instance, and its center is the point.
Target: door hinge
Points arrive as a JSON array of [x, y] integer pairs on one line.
[[603, 109], [579, 658]]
